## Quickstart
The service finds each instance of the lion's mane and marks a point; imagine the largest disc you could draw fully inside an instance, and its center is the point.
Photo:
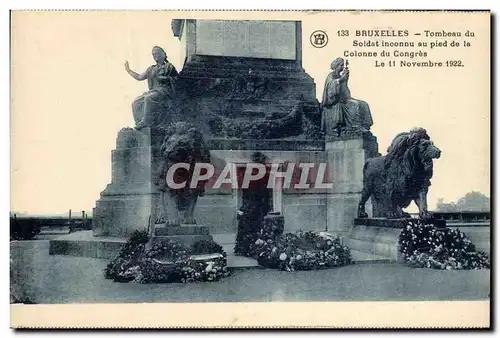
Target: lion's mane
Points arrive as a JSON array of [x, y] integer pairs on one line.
[[183, 143], [405, 173]]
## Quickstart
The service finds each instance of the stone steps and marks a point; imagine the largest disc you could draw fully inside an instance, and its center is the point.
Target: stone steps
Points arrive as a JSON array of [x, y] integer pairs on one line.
[[379, 242], [360, 257], [184, 230], [83, 244], [78, 246], [186, 239], [236, 262], [383, 241], [385, 250], [54, 231], [294, 144], [205, 71], [185, 233]]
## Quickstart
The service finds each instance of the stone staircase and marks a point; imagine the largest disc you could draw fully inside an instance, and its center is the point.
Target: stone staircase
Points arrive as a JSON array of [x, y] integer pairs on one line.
[[227, 242], [378, 238], [83, 244], [360, 257], [373, 244]]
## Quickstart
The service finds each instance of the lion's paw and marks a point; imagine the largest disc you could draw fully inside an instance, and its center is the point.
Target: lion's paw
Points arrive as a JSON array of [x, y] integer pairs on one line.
[[425, 215], [395, 215]]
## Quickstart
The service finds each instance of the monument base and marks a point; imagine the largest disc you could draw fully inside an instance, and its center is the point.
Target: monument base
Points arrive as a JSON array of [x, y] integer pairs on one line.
[[186, 234], [84, 244], [130, 200], [380, 236], [346, 157], [379, 241]]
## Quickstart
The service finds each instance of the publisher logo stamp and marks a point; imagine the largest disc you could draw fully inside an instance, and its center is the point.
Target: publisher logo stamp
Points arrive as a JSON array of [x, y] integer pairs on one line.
[[319, 39]]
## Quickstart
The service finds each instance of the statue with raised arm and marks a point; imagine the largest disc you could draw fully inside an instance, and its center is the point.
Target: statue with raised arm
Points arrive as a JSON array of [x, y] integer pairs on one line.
[[150, 107], [340, 112]]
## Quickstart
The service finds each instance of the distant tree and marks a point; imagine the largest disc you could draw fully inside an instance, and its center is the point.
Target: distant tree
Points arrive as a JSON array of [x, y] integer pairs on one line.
[[445, 207], [472, 201]]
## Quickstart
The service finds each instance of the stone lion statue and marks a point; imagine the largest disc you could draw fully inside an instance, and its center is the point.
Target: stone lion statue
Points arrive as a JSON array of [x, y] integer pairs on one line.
[[403, 175], [183, 143]]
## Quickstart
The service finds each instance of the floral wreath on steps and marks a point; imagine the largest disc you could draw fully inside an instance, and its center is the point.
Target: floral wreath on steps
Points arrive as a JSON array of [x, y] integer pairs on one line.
[[423, 245], [167, 261], [302, 250]]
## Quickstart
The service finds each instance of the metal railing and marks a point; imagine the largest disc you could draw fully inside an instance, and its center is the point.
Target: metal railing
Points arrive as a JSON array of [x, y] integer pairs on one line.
[[462, 216]]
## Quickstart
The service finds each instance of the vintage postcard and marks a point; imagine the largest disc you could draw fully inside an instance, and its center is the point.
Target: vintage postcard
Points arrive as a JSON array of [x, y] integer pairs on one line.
[[239, 169]]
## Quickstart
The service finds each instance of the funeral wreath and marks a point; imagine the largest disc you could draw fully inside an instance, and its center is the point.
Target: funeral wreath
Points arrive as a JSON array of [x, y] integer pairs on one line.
[[167, 261], [423, 245], [302, 250]]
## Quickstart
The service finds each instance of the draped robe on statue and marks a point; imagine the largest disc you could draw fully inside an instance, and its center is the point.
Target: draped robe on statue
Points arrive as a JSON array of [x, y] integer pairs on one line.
[[340, 110], [149, 106]]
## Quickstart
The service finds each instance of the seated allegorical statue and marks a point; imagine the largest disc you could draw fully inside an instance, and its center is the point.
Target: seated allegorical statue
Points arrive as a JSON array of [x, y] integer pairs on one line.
[[340, 113], [149, 107]]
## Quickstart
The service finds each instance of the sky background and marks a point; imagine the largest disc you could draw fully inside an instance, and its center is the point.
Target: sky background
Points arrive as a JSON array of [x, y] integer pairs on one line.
[[71, 95]]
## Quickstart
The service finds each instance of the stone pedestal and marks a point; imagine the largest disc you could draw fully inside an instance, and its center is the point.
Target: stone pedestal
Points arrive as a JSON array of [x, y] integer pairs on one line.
[[379, 241], [380, 236], [376, 236], [346, 158], [187, 234], [127, 203]]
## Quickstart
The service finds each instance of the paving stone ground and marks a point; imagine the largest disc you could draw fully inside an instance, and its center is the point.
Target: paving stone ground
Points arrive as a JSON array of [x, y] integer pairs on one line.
[[62, 279]]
